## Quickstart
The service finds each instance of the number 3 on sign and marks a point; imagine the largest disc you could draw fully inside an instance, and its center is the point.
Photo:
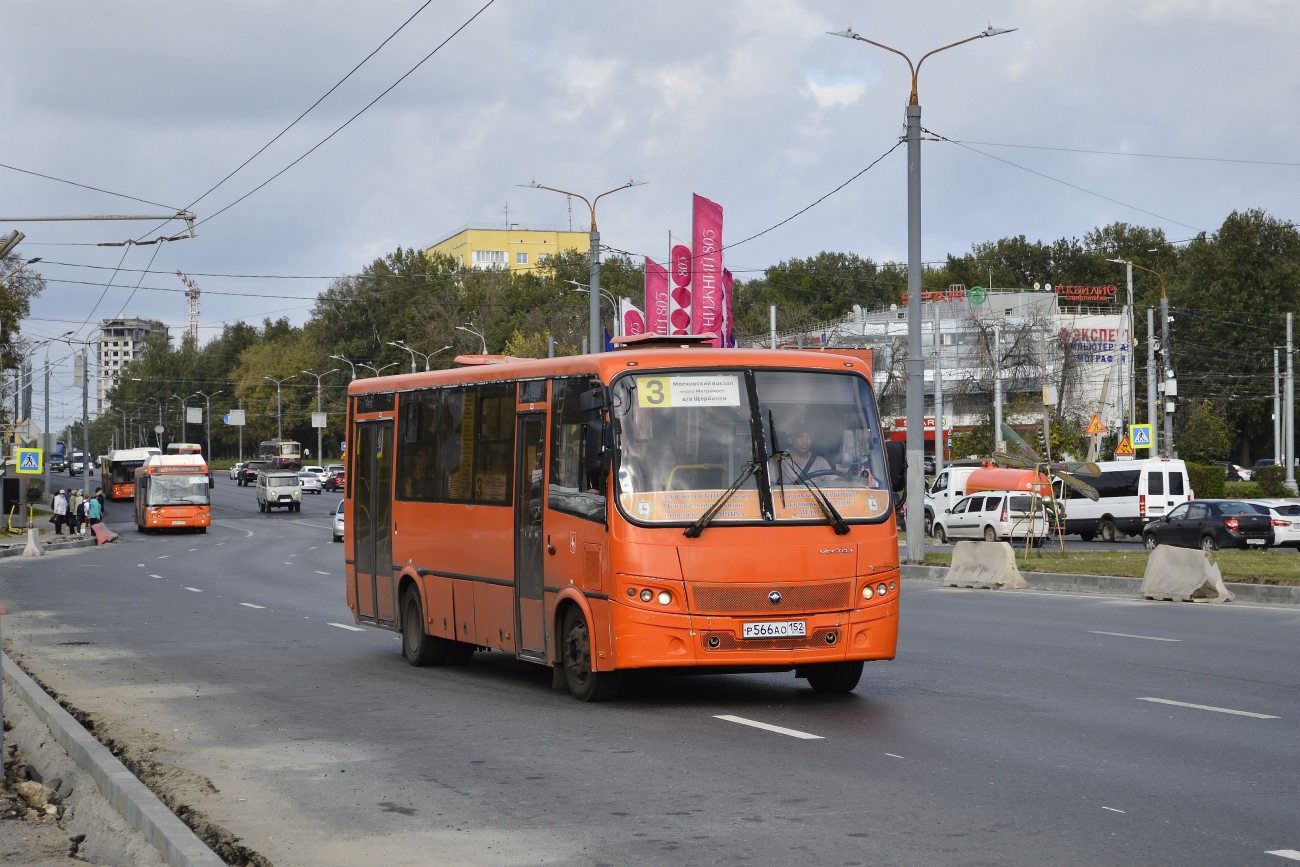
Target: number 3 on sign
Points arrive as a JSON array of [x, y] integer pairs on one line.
[[653, 392]]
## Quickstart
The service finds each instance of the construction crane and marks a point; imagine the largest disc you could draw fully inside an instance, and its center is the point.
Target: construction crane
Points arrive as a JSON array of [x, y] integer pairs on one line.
[[193, 296]]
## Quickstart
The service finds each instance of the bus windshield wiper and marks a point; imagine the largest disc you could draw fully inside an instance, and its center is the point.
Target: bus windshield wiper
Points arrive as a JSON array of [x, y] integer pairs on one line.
[[828, 508], [695, 529]]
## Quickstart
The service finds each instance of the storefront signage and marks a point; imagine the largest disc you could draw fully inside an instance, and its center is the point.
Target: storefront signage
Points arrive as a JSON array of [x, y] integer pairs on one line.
[[1094, 294]]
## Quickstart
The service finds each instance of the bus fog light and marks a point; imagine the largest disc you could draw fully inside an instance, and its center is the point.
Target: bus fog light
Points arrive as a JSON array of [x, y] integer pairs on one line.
[[631, 591], [831, 638], [882, 590], [665, 597], [714, 641], [866, 591], [891, 585], [647, 595]]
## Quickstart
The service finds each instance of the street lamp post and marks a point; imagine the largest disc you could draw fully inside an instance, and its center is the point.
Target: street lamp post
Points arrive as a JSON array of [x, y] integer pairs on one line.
[[470, 329], [1151, 400], [279, 418], [207, 417], [377, 370], [401, 344], [350, 365], [183, 409], [319, 376], [613, 303], [158, 430], [915, 361], [594, 341]]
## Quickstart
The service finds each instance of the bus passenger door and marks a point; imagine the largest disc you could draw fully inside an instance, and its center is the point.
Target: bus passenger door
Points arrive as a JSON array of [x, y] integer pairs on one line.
[[530, 613], [372, 518]]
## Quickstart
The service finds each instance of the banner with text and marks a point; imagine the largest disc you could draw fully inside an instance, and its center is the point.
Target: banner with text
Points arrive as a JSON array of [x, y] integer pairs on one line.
[[706, 273], [679, 299], [656, 297], [633, 320]]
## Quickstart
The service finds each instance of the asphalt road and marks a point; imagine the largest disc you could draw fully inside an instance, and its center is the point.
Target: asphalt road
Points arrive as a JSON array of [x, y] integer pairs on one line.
[[1015, 728]]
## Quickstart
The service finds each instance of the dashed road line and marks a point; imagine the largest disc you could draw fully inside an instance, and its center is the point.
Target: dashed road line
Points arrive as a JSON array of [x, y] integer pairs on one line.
[[319, 572], [892, 756], [1209, 707], [1127, 635], [194, 589], [348, 628], [794, 733], [164, 556], [151, 575], [1285, 853], [1112, 809], [251, 605]]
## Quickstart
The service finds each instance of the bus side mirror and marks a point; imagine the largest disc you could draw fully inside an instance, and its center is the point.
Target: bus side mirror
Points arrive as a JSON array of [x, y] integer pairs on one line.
[[211, 482], [597, 451], [594, 399], [896, 457]]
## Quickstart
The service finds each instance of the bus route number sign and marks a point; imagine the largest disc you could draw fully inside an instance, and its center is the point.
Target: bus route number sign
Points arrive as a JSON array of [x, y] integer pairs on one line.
[[658, 392]]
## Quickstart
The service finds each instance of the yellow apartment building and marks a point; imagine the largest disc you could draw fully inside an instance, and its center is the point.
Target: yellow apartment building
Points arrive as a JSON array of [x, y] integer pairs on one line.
[[514, 249]]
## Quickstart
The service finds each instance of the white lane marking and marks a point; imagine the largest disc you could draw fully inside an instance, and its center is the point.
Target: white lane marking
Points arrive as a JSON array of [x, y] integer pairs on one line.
[[141, 565], [151, 575], [1285, 853], [193, 550], [349, 628], [164, 556], [319, 572], [220, 543], [293, 555], [1112, 809], [288, 562], [194, 589], [794, 733], [892, 756], [1208, 707], [312, 548], [1127, 635], [251, 605]]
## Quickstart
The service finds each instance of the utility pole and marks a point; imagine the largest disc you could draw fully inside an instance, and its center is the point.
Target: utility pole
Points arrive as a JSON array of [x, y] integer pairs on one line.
[[938, 394], [1132, 345], [1171, 384], [279, 426], [1290, 409], [771, 317], [85, 422], [319, 376], [1047, 420], [1277, 413], [999, 444], [1153, 418], [207, 418]]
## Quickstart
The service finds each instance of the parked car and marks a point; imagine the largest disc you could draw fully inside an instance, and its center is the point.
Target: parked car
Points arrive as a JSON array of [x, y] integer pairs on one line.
[[309, 482], [1265, 462], [1234, 472], [1210, 525], [336, 482], [338, 521], [930, 466], [993, 517], [278, 488], [236, 470], [248, 476], [1284, 515]]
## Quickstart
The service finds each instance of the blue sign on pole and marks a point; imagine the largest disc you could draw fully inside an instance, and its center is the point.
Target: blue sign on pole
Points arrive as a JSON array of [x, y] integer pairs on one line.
[[1140, 436], [30, 461]]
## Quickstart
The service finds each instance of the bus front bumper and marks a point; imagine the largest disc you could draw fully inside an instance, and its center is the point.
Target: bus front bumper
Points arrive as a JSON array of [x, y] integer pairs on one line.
[[168, 517]]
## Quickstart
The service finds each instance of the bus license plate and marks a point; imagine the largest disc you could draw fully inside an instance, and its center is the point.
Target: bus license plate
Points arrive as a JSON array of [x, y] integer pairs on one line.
[[776, 629]]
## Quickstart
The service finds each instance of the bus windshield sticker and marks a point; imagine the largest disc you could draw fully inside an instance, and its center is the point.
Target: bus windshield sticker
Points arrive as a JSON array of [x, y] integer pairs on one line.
[[656, 392]]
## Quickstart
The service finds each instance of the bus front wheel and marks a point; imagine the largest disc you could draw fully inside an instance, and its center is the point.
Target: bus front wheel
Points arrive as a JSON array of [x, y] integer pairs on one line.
[[419, 648], [585, 683], [833, 677]]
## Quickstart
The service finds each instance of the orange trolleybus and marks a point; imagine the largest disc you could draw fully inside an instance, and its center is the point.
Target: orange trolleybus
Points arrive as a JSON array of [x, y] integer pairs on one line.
[[171, 492], [648, 508], [118, 471]]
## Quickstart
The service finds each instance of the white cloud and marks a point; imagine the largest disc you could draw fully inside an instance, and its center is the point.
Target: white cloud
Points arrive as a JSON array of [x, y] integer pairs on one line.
[[829, 95]]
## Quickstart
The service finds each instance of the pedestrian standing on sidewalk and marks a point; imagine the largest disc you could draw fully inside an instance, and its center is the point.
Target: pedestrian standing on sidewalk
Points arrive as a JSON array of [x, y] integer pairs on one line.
[[94, 512], [74, 512], [99, 495], [60, 512]]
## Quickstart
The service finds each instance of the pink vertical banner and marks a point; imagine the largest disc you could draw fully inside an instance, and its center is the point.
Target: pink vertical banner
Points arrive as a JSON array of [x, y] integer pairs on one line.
[[728, 324], [679, 296], [657, 298], [633, 319], [706, 275]]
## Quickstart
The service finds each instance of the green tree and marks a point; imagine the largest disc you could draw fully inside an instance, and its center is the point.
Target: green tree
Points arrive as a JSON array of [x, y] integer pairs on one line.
[[1206, 436]]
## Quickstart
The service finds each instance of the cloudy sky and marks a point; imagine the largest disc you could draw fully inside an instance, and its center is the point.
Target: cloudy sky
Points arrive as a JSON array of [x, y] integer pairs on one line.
[[748, 102]]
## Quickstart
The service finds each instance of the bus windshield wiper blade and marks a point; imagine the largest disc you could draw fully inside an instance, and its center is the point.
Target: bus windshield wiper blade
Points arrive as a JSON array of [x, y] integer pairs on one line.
[[828, 508], [696, 528]]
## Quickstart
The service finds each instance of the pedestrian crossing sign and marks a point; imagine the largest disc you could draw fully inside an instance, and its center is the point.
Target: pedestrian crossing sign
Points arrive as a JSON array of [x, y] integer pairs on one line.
[[1124, 449], [1140, 436], [30, 461]]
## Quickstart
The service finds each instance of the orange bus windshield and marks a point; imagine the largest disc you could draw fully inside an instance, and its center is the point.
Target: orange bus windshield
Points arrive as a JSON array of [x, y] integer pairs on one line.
[[177, 489]]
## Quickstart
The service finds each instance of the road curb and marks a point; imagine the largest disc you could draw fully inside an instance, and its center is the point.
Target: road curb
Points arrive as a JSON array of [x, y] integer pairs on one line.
[[1114, 585], [141, 808], [17, 550]]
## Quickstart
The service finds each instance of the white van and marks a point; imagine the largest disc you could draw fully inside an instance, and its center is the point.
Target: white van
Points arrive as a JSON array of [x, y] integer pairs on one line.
[[947, 488], [1131, 494], [278, 488], [994, 516]]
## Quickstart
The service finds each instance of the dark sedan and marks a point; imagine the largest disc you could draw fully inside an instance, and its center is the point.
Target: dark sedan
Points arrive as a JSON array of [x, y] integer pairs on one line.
[[1210, 525], [248, 476]]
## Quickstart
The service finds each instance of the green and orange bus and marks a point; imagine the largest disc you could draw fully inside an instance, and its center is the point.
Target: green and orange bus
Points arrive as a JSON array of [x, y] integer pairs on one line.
[[172, 493], [649, 508]]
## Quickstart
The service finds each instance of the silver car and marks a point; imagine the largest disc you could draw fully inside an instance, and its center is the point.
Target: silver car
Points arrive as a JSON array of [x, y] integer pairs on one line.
[[309, 482], [237, 469], [338, 522], [1285, 518]]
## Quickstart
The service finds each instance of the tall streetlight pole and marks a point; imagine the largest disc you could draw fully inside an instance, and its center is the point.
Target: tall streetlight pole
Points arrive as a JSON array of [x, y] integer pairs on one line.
[[158, 430], [183, 410], [427, 356], [1164, 348], [470, 329], [207, 417], [915, 360], [613, 303], [594, 341], [350, 365], [279, 418], [319, 376], [377, 370]]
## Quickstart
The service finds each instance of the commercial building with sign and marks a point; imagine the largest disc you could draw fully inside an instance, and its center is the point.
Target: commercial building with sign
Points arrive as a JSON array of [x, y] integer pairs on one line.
[[513, 249], [1082, 349], [120, 341]]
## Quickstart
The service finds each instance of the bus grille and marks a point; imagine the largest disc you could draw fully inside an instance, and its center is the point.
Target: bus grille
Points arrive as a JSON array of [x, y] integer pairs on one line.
[[752, 599], [819, 639]]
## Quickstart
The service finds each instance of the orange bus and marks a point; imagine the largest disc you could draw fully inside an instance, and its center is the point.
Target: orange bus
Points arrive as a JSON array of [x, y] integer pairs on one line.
[[171, 491], [184, 449], [118, 471], [649, 508]]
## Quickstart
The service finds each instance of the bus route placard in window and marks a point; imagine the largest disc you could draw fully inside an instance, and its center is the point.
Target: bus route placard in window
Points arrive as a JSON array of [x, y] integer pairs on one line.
[[657, 392]]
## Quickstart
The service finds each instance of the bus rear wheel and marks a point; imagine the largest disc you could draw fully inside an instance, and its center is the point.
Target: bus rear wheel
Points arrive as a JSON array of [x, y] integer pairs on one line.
[[585, 683], [419, 648], [833, 677]]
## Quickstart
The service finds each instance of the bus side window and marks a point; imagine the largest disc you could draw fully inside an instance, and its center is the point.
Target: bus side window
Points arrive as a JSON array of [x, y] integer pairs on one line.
[[495, 446], [568, 489], [417, 447]]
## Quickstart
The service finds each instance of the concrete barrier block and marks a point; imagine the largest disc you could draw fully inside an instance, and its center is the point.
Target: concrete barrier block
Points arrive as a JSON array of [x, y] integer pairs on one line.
[[1183, 575], [984, 566]]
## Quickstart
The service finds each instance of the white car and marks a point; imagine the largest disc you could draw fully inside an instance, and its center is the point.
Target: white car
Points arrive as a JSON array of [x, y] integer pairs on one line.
[[310, 482], [993, 516], [318, 471], [1285, 517], [236, 470], [338, 522]]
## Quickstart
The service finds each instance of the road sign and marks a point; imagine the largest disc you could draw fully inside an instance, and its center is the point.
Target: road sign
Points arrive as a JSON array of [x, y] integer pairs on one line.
[[235, 417], [319, 419], [30, 461], [1096, 427], [1125, 448], [1139, 436]]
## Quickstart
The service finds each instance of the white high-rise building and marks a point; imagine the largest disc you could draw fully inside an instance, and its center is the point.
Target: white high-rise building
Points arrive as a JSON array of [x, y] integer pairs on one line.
[[120, 341]]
